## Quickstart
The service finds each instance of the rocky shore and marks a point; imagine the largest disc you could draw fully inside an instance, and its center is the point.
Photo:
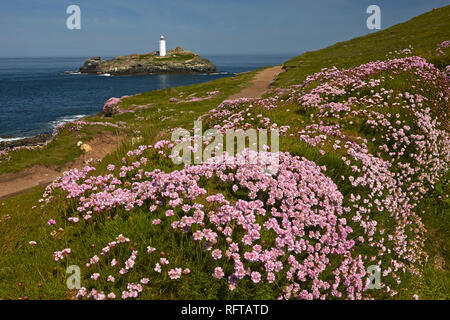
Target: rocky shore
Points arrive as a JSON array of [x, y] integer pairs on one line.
[[37, 140], [176, 61]]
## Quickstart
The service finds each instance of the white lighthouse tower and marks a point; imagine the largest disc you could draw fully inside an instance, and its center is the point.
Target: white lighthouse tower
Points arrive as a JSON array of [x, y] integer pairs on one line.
[[162, 46]]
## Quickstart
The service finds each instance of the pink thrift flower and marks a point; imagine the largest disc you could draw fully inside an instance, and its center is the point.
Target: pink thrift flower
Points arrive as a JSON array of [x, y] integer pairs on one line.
[[216, 254], [95, 276], [174, 273], [218, 273], [95, 259], [256, 277], [197, 236]]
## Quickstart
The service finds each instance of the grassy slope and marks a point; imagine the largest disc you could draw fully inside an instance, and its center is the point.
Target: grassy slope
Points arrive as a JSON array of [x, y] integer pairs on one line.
[[32, 267], [423, 33]]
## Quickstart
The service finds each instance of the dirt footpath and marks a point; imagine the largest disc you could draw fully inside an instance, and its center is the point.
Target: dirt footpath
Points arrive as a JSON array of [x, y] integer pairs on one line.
[[260, 83]]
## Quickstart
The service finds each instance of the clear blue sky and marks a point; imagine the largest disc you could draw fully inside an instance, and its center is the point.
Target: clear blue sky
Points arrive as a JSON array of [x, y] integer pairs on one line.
[[114, 27]]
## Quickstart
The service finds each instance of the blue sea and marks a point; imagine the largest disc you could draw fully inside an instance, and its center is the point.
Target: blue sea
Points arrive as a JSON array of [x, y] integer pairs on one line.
[[36, 94]]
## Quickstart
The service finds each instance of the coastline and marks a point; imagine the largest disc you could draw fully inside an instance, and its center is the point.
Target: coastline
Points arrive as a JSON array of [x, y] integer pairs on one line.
[[41, 139], [52, 70], [34, 141]]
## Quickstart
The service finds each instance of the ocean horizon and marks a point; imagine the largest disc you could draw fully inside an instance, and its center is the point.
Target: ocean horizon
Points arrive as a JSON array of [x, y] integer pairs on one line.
[[37, 94]]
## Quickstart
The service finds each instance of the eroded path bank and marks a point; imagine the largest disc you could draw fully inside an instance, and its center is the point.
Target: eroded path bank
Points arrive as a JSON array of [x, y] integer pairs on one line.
[[17, 182]]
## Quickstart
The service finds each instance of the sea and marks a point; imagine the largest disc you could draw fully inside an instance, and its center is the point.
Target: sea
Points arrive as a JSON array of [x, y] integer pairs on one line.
[[37, 94]]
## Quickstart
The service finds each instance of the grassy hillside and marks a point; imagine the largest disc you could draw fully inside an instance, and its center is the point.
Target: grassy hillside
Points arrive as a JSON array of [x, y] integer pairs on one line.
[[424, 33], [363, 181]]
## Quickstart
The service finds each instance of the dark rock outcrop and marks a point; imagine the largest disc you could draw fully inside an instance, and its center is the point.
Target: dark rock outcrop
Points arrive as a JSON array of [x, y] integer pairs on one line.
[[91, 65], [176, 61], [39, 139]]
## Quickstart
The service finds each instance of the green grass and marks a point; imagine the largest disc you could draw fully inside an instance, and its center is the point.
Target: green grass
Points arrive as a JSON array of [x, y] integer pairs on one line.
[[31, 272], [58, 152], [174, 57]]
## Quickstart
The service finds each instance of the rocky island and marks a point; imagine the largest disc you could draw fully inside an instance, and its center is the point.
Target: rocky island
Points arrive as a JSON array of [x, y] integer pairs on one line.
[[176, 60]]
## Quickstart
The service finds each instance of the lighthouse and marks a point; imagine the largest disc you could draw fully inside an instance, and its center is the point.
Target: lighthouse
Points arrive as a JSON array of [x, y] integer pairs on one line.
[[162, 46]]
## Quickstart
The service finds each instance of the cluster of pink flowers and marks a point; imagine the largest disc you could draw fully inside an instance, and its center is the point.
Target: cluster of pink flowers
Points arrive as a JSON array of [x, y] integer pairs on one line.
[[396, 191], [132, 289], [77, 125], [4, 155], [443, 45], [300, 198], [112, 107], [192, 98], [237, 114], [401, 52], [59, 255]]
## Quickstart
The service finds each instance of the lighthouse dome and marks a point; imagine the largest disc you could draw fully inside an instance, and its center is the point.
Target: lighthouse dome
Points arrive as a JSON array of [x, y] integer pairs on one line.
[[162, 37]]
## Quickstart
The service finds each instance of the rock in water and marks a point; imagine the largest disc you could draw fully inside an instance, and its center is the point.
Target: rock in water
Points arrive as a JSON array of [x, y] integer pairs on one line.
[[176, 61], [91, 65]]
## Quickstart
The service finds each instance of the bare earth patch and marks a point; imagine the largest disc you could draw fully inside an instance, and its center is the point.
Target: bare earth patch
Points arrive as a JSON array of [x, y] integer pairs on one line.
[[439, 263]]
